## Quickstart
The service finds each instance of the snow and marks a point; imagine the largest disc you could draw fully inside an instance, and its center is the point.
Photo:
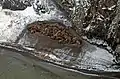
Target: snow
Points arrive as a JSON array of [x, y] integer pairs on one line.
[[87, 28], [96, 58], [111, 8], [54, 57], [6, 31], [12, 23]]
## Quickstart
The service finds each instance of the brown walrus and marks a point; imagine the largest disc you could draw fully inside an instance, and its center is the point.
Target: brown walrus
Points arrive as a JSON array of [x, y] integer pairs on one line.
[[55, 31]]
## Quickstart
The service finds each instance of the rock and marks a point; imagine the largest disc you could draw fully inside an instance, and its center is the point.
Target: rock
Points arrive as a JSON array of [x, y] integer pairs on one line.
[[117, 50], [16, 4], [41, 6], [97, 22], [75, 11]]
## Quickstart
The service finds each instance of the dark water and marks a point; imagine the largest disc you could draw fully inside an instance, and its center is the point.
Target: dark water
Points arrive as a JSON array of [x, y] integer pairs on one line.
[[16, 66]]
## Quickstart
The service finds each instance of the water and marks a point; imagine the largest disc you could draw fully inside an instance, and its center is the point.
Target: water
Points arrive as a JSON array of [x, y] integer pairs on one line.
[[16, 66]]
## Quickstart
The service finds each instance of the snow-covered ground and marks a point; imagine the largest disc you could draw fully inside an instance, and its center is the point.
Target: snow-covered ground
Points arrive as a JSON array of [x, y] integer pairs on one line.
[[13, 22]]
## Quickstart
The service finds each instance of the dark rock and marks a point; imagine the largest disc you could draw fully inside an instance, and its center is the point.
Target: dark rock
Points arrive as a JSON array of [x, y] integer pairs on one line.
[[40, 6], [15, 4], [99, 19], [117, 50]]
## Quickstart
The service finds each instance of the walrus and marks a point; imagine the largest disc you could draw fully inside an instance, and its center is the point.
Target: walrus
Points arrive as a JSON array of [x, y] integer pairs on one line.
[[55, 38], [56, 31]]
